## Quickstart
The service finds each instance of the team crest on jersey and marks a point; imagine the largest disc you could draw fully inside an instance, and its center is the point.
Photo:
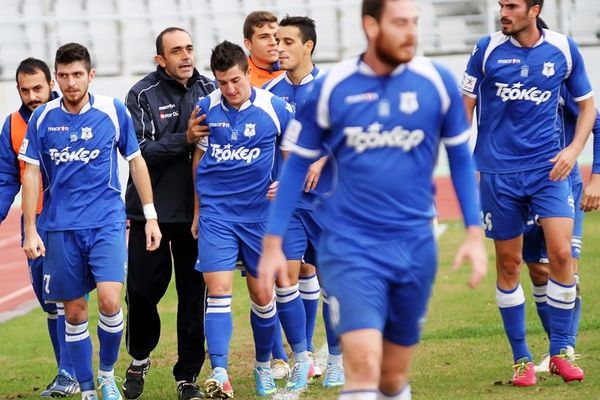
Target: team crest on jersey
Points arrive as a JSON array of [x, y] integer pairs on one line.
[[86, 133], [250, 130], [548, 70], [408, 102]]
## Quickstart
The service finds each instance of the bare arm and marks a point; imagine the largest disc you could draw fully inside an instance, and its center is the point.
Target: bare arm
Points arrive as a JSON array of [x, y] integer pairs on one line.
[[141, 180], [470, 103], [198, 154], [32, 243]]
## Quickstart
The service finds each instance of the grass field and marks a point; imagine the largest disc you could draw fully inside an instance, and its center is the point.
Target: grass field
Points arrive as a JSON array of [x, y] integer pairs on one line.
[[463, 355]]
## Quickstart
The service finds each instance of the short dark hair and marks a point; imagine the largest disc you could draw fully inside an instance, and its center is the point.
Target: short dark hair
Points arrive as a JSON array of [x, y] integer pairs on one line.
[[72, 52], [30, 66], [531, 3], [306, 26], [226, 55], [160, 49], [257, 19], [372, 8]]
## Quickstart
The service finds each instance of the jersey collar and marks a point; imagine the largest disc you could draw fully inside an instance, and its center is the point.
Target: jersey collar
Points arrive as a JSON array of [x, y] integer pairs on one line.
[[307, 79], [365, 69], [540, 40], [87, 106], [245, 105]]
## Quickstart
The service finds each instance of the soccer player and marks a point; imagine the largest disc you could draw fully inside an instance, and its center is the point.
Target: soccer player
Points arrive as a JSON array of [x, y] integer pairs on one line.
[[260, 39], [297, 39], [383, 114], [161, 104], [34, 84], [74, 140], [514, 78], [232, 180], [534, 250]]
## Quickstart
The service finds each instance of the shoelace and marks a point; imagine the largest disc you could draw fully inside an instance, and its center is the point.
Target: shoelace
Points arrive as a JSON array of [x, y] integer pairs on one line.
[[264, 376], [295, 374], [570, 358], [66, 381], [520, 368], [334, 372], [110, 384]]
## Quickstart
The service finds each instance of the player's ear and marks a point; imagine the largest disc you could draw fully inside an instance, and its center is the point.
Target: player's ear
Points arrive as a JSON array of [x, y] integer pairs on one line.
[[308, 46], [248, 45], [51, 84], [370, 26], [160, 60], [92, 74]]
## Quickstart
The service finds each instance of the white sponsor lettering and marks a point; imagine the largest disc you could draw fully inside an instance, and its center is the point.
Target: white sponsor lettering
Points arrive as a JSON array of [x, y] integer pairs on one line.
[[517, 92], [218, 125], [362, 98], [166, 107], [227, 153], [509, 61], [374, 138], [64, 155]]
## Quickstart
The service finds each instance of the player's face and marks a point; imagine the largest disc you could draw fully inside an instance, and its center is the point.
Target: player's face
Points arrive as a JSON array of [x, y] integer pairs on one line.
[[33, 89], [515, 17], [178, 56], [74, 80], [263, 44], [235, 85], [291, 50], [395, 35]]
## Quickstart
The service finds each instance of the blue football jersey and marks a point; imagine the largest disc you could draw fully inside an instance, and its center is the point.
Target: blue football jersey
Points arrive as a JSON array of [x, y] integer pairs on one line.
[[77, 155], [296, 96], [384, 133], [518, 91], [236, 170]]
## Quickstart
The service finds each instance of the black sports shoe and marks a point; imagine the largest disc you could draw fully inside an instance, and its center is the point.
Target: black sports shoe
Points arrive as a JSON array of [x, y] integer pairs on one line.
[[189, 391], [134, 380]]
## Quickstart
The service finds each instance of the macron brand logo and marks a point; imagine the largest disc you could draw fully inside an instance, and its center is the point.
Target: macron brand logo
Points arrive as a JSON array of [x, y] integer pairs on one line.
[[64, 155], [227, 153], [509, 61], [362, 98], [517, 92], [374, 137], [58, 129]]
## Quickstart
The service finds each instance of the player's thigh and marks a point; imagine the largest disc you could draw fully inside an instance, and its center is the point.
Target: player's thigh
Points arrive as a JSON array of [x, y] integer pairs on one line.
[[107, 253], [217, 246], [357, 289], [504, 205], [395, 365], [250, 236], [416, 258], [66, 273]]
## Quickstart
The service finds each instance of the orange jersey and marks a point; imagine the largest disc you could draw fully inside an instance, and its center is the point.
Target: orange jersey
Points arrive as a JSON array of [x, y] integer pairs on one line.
[[260, 76], [18, 128]]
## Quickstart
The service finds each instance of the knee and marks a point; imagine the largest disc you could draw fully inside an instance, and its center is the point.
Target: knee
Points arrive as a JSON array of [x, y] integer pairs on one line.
[[362, 368], [538, 273], [393, 381], [76, 311], [218, 289], [109, 305], [262, 298], [561, 257], [509, 265]]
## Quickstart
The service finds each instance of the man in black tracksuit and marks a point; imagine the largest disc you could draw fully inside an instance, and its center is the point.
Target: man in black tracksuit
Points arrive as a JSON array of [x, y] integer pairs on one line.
[[161, 104]]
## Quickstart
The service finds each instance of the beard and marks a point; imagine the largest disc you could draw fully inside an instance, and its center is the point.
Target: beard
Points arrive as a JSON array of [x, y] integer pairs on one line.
[[32, 105], [389, 56]]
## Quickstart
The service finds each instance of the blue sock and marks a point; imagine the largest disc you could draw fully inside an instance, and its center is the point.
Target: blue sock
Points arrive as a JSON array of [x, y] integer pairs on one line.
[[263, 321], [53, 333], [110, 331], [278, 350], [218, 327], [539, 295], [310, 292], [576, 315], [291, 314], [333, 344], [512, 308], [79, 345], [561, 303], [65, 363]]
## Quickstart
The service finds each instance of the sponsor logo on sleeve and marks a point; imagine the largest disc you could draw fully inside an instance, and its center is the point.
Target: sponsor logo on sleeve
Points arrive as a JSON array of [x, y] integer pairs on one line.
[[24, 145], [468, 83]]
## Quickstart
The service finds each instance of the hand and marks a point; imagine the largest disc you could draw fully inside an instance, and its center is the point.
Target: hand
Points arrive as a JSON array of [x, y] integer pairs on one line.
[[153, 235], [196, 128], [194, 228], [33, 246], [272, 192], [591, 194], [563, 162], [473, 249], [314, 173], [272, 263]]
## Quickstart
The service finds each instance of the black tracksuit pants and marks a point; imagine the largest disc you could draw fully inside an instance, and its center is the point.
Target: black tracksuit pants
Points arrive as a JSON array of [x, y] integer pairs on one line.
[[148, 277]]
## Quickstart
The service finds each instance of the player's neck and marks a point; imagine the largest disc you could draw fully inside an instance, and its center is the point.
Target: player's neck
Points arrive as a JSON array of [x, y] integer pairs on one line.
[[528, 37], [75, 108], [298, 74], [266, 65], [378, 66]]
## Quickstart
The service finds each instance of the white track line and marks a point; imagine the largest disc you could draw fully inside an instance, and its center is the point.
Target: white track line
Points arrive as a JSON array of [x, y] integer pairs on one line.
[[9, 241], [16, 294]]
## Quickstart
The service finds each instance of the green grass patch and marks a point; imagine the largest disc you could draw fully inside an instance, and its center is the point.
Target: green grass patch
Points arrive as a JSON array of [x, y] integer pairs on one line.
[[463, 355]]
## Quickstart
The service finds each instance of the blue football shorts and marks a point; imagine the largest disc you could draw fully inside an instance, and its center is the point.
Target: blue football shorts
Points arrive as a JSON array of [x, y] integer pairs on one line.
[[507, 200], [220, 243], [379, 285], [301, 237], [76, 260]]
